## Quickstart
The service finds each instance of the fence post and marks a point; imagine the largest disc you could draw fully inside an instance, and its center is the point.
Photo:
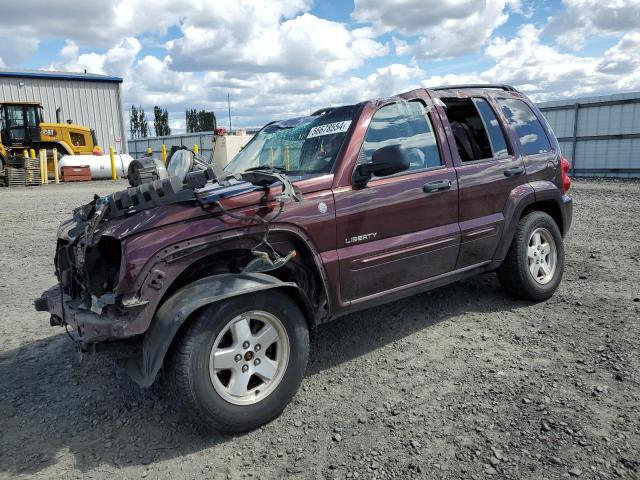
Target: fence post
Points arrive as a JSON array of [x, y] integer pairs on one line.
[[196, 149], [164, 153], [575, 138], [56, 175], [45, 177], [25, 153], [41, 165], [33, 153], [114, 173]]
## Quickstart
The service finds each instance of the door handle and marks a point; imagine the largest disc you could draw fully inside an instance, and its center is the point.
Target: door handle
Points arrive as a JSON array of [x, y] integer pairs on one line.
[[513, 171], [436, 186]]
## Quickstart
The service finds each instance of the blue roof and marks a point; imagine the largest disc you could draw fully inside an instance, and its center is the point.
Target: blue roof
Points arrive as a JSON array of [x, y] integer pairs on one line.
[[89, 77]]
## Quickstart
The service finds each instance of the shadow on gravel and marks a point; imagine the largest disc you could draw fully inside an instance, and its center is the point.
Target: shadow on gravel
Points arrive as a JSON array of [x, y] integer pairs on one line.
[[50, 402], [362, 332]]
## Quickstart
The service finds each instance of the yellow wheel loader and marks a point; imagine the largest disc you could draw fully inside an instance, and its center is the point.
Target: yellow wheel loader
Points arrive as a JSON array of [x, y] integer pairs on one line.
[[22, 126]]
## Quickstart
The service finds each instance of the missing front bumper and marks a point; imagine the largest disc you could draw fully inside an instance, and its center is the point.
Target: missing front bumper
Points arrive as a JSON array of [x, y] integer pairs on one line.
[[90, 327]]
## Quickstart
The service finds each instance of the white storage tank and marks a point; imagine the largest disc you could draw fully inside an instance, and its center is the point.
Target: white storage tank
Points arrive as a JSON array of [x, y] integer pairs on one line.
[[100, 164]]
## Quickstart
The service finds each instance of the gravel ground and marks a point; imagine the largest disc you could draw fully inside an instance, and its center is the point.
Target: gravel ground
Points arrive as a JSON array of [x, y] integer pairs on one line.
[[461, 382]]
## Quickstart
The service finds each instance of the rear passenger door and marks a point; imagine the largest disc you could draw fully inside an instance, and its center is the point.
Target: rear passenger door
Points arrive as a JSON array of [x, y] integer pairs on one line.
[[398, 230], [487, 173]]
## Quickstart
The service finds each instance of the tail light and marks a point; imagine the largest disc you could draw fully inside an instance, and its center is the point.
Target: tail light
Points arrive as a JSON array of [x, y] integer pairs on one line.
[[566, 181]]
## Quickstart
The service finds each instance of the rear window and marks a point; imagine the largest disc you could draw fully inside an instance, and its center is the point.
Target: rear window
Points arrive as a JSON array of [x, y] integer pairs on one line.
[[533, 138]]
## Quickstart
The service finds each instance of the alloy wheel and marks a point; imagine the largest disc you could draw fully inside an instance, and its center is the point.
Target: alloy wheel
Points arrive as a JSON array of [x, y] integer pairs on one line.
[[542, 255], [249, 357]]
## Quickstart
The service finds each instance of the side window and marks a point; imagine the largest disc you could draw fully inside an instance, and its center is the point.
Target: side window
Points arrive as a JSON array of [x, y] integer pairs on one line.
[[406, 124], [475, 128], [15, 116], [32, 117], [492, 126], [528, 128], [77, 139]]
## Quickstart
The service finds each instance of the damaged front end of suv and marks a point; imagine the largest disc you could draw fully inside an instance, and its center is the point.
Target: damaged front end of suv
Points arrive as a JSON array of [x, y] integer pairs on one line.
[[109, 291], [89, 264]]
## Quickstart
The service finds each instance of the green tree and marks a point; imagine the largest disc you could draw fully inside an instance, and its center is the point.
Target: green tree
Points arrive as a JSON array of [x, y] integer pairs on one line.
[[143, 128], [200, 121], [134, 122], [191, 118], [161, 122], [206, 121]]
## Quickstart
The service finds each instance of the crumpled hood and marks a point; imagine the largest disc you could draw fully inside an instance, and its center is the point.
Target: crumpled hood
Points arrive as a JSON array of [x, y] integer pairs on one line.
[[137, 222], [237, 195]]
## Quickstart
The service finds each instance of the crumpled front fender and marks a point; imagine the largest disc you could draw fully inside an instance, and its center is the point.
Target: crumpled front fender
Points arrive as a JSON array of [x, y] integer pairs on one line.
[[176, 310]]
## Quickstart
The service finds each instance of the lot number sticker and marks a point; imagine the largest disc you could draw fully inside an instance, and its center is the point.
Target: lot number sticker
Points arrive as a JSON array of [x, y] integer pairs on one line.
[[329, 128]]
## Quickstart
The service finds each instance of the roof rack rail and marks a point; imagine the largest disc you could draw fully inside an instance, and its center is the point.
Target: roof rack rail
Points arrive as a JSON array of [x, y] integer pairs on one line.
[[508, 88]]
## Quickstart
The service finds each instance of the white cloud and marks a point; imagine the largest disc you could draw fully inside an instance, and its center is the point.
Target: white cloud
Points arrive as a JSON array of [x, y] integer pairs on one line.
[[116, 61], [302, 46], [582, 18], [16, 49], [93, 23], [543, 72], [435, 28]]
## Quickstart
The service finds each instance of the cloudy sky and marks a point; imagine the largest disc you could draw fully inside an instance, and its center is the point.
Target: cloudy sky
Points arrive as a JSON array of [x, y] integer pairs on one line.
[[289, 57]]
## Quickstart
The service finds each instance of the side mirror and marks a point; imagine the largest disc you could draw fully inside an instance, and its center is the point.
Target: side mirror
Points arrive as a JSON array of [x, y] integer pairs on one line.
[[384, 162]]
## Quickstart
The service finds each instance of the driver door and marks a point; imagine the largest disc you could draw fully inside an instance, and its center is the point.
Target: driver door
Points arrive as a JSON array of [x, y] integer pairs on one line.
[[398, 231], [32, 125]]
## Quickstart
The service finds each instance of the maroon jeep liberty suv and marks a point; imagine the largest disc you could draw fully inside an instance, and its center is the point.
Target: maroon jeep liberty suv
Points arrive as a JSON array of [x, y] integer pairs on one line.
[[217, 277]]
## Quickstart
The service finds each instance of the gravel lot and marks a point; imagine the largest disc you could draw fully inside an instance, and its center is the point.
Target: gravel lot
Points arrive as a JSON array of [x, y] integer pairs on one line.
[[461, 382]]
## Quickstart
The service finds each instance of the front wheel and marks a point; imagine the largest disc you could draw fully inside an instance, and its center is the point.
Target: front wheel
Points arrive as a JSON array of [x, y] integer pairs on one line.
[[534, 264], [239, 362]]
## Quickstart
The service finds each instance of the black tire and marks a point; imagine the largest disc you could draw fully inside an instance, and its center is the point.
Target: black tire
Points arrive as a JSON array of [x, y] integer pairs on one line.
[[189, 372], [514, 273]]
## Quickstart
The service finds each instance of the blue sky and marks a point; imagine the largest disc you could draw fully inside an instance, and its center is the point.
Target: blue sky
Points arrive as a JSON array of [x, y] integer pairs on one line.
[[284, 57]]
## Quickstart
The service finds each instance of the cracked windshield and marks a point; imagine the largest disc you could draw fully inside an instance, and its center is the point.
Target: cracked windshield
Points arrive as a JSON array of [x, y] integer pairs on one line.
[[299, 146]]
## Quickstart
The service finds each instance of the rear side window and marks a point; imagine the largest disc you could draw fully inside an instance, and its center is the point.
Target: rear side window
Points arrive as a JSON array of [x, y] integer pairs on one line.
[[491, 125], [527, 126], [405, 124]]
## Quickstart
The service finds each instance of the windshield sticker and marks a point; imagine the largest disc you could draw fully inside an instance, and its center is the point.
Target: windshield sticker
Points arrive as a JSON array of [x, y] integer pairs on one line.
[[329, 128]]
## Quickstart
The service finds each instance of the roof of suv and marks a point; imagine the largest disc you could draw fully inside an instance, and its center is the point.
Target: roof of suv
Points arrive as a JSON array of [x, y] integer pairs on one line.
[[507, 88]]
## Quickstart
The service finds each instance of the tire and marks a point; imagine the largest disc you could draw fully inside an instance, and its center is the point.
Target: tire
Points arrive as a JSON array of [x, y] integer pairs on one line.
[[200, 388], [533, 276]]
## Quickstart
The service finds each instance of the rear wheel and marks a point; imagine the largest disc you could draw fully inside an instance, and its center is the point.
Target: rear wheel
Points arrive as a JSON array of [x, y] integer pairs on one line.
[[239, 362], [535, 261]]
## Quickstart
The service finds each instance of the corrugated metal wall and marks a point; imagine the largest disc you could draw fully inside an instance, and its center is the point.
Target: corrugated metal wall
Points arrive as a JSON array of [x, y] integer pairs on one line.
[[95, 104], [601, 133], [204, 140]]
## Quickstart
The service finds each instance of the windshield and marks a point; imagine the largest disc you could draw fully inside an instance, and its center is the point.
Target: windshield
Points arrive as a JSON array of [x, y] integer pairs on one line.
[[303, 145]]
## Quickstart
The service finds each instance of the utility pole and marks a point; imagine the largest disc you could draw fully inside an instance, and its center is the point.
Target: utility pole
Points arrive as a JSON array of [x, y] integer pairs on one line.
[[229, 107]]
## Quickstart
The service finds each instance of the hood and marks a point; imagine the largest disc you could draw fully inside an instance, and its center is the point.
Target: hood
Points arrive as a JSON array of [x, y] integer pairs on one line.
[[232, 195]]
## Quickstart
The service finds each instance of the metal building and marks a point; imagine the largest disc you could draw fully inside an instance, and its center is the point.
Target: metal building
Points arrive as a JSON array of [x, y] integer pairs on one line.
[[91, 100], [600, 136]]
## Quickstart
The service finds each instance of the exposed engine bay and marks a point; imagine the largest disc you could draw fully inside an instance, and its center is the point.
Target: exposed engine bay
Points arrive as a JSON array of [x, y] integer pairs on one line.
[[88, 258]]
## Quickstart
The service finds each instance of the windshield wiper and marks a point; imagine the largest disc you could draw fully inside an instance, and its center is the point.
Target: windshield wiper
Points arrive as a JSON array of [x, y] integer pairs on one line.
[[266, 168]]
